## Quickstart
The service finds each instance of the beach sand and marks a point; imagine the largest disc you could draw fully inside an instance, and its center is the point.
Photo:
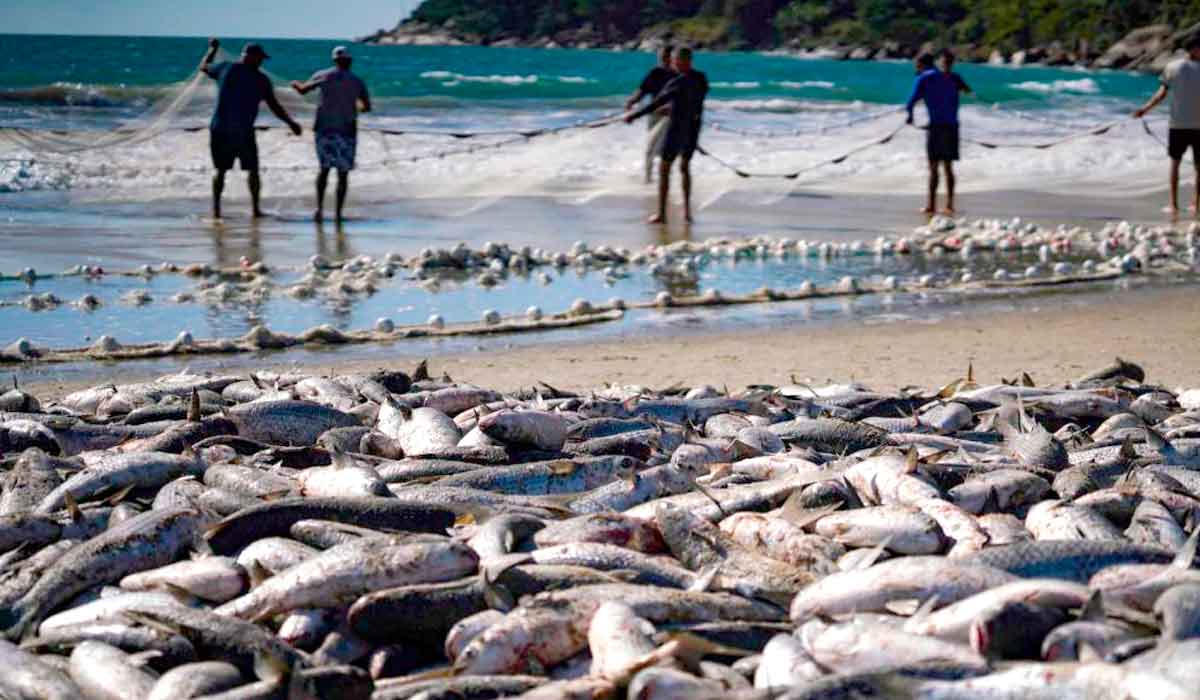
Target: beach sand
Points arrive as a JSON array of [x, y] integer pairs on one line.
[[1053, 340]]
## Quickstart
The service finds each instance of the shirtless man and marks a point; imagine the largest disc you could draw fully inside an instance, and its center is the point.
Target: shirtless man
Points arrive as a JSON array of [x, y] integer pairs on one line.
[[685, 95]]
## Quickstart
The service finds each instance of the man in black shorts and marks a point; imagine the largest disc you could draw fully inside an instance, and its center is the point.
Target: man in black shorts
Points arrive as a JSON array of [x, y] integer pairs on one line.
[[240, 87], [1181, 79], [651, 85], [939, 88], [685, 94]]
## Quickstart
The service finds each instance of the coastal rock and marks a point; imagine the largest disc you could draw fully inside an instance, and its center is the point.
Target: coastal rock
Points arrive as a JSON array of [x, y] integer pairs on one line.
[[1136, 47]]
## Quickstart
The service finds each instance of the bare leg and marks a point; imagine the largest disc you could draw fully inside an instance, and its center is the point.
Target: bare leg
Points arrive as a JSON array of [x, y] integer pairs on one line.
[[343, 186], [255, 184], [664, 188], [218, 187], [322, 180], [931, 202], [685, 176], [1173, 206], [949, 166], [1195, 208]]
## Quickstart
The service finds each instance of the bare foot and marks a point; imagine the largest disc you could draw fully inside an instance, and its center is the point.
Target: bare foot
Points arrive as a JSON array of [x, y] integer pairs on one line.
[[927, 210], [688, 218], [948, 211], [318, 215], [258, 214], [657, 219], [1171, 209]]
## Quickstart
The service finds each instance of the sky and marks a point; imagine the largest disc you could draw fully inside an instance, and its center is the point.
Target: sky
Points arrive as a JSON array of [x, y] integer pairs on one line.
[[325, 19]]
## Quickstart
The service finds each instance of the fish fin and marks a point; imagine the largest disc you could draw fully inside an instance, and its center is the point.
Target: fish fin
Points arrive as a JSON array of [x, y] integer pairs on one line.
[[193, 414], [72, 507], [690, 649], [271, 668], [147, 620], [339, 459], [912, 459], [143, 658], [421, 373], [1027, 380], [120, 495], [1093, 609], [623, 575], [991, 504], [925, 608], [970, 372], [705, 579], [1156, 441], [802, 517], [1187, 555], [1128, 451], [949, 390], [740, 450], [257, 573], [564, 467], [496, 596], [257, 381], [709, 494], [875, 552]]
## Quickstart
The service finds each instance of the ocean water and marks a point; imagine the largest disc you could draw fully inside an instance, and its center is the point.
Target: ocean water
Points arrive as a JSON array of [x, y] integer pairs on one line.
[[766, 113], [145, 202]]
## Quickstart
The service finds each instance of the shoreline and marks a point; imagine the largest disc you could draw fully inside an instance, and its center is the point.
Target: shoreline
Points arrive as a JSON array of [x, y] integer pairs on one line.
[[1051, 338]]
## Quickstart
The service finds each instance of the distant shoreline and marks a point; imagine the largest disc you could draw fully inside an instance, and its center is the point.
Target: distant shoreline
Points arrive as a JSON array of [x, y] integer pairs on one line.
[[1145, 50]]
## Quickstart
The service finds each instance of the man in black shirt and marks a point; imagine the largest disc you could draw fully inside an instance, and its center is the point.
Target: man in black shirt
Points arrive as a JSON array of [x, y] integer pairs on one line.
[[652, 84], [685, 95]]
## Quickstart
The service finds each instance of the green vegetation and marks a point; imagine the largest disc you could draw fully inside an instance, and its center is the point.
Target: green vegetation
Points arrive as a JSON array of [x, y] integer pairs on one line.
[[1005, 24]]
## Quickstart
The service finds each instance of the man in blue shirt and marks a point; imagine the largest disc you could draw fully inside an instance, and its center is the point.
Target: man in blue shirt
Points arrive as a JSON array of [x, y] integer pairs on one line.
[[240, 87], [939, 88]]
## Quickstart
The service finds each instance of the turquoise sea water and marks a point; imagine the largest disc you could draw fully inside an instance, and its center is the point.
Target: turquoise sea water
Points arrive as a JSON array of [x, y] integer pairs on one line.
[[47, 77]]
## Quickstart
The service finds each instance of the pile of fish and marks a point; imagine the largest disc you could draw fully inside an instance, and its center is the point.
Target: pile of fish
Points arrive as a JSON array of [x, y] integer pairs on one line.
[[393, 535]]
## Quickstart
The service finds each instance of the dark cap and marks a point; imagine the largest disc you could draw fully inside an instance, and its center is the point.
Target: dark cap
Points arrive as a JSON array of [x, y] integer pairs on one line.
[[255, 50]]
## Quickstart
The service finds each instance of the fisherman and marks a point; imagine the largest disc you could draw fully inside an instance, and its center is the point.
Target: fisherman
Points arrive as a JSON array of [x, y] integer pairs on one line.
[[343, 95], [1181, 78], [939, 87], [651, 85], [240, 87], [685, 95]]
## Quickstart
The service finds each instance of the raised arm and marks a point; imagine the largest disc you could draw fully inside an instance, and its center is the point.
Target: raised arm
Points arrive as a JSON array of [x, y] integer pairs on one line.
[[214, 45], [278, 110], [1154, 101], [962, 85]]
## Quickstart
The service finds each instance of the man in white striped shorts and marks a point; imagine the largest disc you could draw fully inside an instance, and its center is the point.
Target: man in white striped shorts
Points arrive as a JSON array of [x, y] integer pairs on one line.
[[336, 127]]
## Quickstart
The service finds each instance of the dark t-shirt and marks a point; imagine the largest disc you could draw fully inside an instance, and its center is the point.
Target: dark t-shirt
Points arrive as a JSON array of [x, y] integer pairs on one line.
[[239, 90], [656, 80], [685, 93]]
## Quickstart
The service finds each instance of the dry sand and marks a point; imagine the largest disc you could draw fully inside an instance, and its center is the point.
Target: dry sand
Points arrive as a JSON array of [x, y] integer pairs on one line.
[[1054, 342], [1159, 330]]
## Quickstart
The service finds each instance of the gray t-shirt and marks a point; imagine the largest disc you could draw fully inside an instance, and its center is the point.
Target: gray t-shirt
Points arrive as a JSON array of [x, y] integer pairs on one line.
[[1182, 78], [340, 92]]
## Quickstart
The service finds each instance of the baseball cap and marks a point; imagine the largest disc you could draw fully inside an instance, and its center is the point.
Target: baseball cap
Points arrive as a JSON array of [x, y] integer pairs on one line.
[[254, 49], [341, 52]]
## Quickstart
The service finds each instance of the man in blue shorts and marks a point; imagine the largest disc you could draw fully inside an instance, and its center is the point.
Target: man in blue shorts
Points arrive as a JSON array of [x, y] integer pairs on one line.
[[342, 95], [685, 95], [240, 87], [939, 88], [1181, 80]]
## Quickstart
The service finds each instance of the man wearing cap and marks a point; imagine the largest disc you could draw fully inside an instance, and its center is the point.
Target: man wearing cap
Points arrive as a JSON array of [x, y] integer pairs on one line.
[[343, 95], [240, 87]]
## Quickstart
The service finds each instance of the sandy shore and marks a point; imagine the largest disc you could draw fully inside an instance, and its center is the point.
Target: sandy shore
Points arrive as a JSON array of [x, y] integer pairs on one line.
[[1054, 340]]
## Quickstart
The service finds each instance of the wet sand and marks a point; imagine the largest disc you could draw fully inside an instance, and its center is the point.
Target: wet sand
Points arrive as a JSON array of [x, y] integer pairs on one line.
[[1054, 339], [50, 231]]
